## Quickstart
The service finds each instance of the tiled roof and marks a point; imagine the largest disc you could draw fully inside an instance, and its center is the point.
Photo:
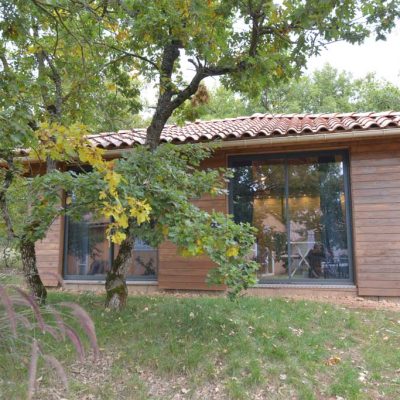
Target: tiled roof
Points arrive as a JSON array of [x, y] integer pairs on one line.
[[257, 125]]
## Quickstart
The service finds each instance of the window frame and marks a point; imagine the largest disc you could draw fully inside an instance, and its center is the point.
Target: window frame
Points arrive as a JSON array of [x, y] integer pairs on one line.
[[233, 160], [129, 278]]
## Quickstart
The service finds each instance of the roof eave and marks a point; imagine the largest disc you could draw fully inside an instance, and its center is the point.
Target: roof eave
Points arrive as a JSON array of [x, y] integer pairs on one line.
[[346, 136]]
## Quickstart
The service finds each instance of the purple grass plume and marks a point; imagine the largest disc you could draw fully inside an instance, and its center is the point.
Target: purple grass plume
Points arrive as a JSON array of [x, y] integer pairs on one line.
[[22, 320]]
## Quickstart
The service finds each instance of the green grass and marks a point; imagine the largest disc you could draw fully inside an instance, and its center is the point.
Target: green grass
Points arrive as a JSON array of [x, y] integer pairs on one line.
[[11, 277], [276, 347]]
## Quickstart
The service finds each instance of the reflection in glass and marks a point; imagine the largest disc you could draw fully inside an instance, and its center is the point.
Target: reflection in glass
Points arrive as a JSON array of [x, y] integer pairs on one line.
[[88, 250], [302, 198], [144, 260], [269, 217], [318, 237], [88, 253]]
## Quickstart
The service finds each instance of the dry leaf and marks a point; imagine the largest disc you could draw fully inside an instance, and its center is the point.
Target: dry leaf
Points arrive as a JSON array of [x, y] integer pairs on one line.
[[333, 360]]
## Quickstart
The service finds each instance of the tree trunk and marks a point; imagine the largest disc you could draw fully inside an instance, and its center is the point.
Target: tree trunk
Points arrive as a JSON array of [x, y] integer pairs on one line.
[[158, 121], [31, 273], [153, 134], [116, 289]]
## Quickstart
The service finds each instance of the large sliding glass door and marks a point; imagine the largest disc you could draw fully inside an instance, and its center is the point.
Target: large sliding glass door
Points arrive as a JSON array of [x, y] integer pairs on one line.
[[299, 206]]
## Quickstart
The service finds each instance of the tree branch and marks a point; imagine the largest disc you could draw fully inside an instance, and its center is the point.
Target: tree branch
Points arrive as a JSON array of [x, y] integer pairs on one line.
[[164, 106], [6, 66], [56, 78], [257, 17], [129, 54]]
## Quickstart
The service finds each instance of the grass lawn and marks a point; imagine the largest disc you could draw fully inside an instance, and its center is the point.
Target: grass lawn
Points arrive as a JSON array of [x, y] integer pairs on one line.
[[166, 347]]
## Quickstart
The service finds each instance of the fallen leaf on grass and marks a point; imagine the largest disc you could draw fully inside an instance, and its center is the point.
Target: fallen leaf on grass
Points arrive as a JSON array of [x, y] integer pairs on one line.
[[333, 360]]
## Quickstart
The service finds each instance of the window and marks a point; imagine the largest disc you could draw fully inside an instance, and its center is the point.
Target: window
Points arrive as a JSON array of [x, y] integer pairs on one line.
[[88, 253], [299, 204]]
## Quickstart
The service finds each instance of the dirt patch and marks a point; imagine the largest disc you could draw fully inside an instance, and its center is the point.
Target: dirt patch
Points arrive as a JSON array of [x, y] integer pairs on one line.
[[89, 373], [180, 388]]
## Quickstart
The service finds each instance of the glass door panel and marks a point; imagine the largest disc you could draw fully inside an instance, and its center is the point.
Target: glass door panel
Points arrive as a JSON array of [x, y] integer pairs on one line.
[[269, 216], [258, 194], [302, 198], [317, 221]]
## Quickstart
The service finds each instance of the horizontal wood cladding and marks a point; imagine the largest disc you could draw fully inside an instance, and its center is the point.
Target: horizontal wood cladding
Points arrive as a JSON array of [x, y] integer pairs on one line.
[[386, 230], [49, 253], [361, 215], [378, 192], [387, 292], [380, 184], [375, 183], [177, 272]]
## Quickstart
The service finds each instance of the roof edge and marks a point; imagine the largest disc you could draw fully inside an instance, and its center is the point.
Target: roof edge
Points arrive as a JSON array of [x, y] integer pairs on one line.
[[273, 141]]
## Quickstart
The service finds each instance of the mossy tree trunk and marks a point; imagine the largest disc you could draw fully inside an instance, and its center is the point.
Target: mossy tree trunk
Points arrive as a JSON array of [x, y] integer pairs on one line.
[[31, 273], [26, 246], [116, 289]]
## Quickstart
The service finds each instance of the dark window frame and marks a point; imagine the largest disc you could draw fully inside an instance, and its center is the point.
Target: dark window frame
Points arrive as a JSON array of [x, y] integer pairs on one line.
[[233, 162], [66, 276], [102, 277]]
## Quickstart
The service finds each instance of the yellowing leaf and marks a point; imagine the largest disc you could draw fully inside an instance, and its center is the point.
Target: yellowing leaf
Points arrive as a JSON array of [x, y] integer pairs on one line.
[[232, 251], [213, 191], [142, 217], [165, 230], [279, 71], [113, 179], [333, 360], [118, 237], [122, 35], [122, 221], [185, 252], [112, 87]]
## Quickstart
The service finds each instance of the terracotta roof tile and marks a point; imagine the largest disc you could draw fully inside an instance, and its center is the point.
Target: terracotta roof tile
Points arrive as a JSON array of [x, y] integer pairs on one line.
[[254, 126]]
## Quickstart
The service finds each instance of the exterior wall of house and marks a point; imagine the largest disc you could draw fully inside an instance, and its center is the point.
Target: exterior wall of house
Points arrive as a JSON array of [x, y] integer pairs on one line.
[[176, 272], [375, 183], [375, 192], [49, 253]]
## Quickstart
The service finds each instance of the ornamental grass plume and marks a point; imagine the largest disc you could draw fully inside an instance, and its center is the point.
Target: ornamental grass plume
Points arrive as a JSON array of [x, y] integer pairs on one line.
[[28, 331]]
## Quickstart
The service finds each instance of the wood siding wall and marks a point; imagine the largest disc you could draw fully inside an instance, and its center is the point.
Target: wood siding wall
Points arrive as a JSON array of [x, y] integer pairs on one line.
[[177, 272], [49, 253], [375, 183]]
